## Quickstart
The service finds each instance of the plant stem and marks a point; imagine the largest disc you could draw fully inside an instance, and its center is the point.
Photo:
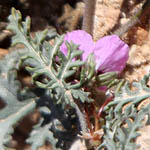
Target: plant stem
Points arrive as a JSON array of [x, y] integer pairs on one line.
[[82, 119], [80, 115], [88, 16], [133, 21]]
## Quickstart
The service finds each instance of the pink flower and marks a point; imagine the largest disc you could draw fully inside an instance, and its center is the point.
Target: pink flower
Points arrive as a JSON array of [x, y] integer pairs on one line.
[[110, 52], [81, 38]]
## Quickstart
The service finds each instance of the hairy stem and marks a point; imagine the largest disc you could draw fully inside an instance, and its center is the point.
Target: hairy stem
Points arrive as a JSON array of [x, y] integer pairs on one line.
[[88, 16], [133, 21], [80, 115], [82, 119]]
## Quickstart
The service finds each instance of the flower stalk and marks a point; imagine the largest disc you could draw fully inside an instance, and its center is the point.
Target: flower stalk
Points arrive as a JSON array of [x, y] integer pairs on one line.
[[88, 16]]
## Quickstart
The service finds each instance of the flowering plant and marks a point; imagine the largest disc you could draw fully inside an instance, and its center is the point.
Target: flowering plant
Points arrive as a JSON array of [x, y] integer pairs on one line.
[[65, 75]]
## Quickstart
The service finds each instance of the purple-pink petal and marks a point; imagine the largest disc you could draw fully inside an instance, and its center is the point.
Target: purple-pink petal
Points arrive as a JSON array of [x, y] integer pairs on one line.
[[111, 54], [81, 38]]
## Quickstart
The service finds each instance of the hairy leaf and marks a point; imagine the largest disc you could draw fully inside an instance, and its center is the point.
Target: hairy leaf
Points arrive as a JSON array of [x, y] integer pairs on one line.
[[14, 109], [123, 122], [40, 134], [43, 59]]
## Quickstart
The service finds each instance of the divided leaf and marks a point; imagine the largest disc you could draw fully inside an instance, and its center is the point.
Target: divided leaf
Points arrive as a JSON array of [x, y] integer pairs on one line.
[[47, 61], [41, 134], [14, 109], [121, 130], [123, 122]]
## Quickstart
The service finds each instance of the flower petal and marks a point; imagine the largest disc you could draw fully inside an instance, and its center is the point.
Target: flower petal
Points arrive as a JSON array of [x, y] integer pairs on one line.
[[111, 54], [81, 38]]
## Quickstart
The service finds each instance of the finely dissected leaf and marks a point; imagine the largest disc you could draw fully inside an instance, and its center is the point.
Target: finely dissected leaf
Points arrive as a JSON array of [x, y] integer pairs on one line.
[[40, 134], [14, 109], [127, 96], [121, 128], [55, 126], [43, 59]]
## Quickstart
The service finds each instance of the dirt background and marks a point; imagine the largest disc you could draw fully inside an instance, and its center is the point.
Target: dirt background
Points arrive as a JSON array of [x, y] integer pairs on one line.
[[67, 15]]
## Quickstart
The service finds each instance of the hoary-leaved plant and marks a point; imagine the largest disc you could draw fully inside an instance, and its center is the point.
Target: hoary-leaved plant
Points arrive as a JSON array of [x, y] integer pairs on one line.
[[61, 92]]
